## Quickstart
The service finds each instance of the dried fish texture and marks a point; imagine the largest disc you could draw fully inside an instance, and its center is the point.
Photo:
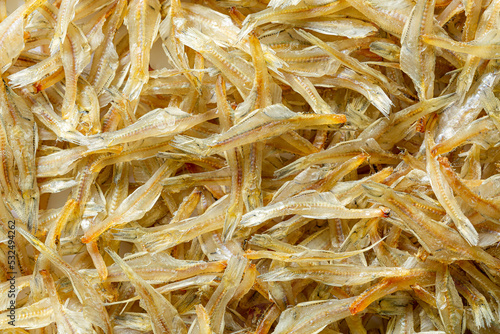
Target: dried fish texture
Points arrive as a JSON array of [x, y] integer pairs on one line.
[[273, 166], [142, 20]]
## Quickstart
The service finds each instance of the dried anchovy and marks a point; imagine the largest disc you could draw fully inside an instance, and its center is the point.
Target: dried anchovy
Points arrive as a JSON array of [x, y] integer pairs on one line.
[[243, 166]]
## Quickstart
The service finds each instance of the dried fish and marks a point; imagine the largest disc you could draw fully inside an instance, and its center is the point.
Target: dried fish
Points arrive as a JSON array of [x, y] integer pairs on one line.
[[105, 63], [443, 190], [93, 307], [164, 316], [143, 21], [445, 248], [259, 125], [316, 166], [12, 33], [310, 205], [158, 123], [134, 206], [417, 58]]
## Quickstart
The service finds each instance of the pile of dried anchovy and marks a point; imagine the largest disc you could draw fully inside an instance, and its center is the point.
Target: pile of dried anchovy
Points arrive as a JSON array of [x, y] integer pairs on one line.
[[238, 166]]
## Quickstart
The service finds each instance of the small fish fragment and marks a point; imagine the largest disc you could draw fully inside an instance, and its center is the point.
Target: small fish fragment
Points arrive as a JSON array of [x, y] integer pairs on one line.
[[12, 33], [257, 126], [310, 204], [134, 206], [158, 123], [143, 21], [93, 307], [311, 317], [164, 316]]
